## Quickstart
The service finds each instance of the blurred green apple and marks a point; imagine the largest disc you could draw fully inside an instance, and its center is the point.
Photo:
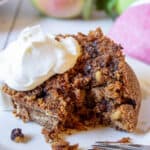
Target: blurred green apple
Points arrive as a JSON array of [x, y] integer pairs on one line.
[[60, 8], [113, 7]]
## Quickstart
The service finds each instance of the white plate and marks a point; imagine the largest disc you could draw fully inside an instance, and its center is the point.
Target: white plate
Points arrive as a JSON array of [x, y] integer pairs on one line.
[[87, 138]]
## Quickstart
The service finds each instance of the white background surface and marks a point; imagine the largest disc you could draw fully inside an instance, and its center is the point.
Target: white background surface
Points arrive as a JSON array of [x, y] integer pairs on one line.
[[16, 15]]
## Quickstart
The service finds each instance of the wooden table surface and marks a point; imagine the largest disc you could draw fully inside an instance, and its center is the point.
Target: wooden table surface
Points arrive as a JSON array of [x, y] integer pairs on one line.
[[18, 14]]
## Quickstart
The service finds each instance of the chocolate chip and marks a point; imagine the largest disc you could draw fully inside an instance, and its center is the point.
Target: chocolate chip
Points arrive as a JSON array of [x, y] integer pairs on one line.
[[91, 49], [103, 105], [87, 116], [120, 46], [87, 68], [130, 102], [42, 94], [95, 43], [113, 66], [104, 60], [90, 103]]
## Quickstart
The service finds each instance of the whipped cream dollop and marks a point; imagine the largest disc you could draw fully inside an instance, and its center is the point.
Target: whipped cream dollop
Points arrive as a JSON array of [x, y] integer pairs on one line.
[[34, 57]]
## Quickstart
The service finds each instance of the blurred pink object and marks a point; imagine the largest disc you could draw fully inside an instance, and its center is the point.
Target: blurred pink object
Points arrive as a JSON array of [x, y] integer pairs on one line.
[[132, 31], [59, 8]]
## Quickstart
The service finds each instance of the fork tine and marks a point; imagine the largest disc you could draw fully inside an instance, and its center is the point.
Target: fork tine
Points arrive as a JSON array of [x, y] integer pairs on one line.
[[117, 146], [112, 147], [98, 147]]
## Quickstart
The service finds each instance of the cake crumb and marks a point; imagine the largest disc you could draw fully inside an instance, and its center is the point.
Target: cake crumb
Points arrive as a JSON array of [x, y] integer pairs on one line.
[[124, 140], [17, 136], [64, 145]]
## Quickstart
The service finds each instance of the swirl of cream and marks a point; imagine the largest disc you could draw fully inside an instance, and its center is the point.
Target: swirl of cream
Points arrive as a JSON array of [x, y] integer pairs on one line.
[[35, 57]]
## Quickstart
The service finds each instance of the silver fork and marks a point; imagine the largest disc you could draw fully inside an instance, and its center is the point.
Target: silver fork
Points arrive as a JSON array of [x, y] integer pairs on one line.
[[118, 146]]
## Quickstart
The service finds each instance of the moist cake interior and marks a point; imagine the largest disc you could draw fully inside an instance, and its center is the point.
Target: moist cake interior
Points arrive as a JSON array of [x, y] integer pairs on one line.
[[100, 89]]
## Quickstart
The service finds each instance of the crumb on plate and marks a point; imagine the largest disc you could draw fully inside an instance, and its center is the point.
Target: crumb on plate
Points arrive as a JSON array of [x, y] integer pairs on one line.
[[18, 136], [64, 145], [124, 140]]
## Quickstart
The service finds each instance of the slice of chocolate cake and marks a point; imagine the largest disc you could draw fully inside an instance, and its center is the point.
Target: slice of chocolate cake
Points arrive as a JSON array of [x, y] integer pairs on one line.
[[101, 88]]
